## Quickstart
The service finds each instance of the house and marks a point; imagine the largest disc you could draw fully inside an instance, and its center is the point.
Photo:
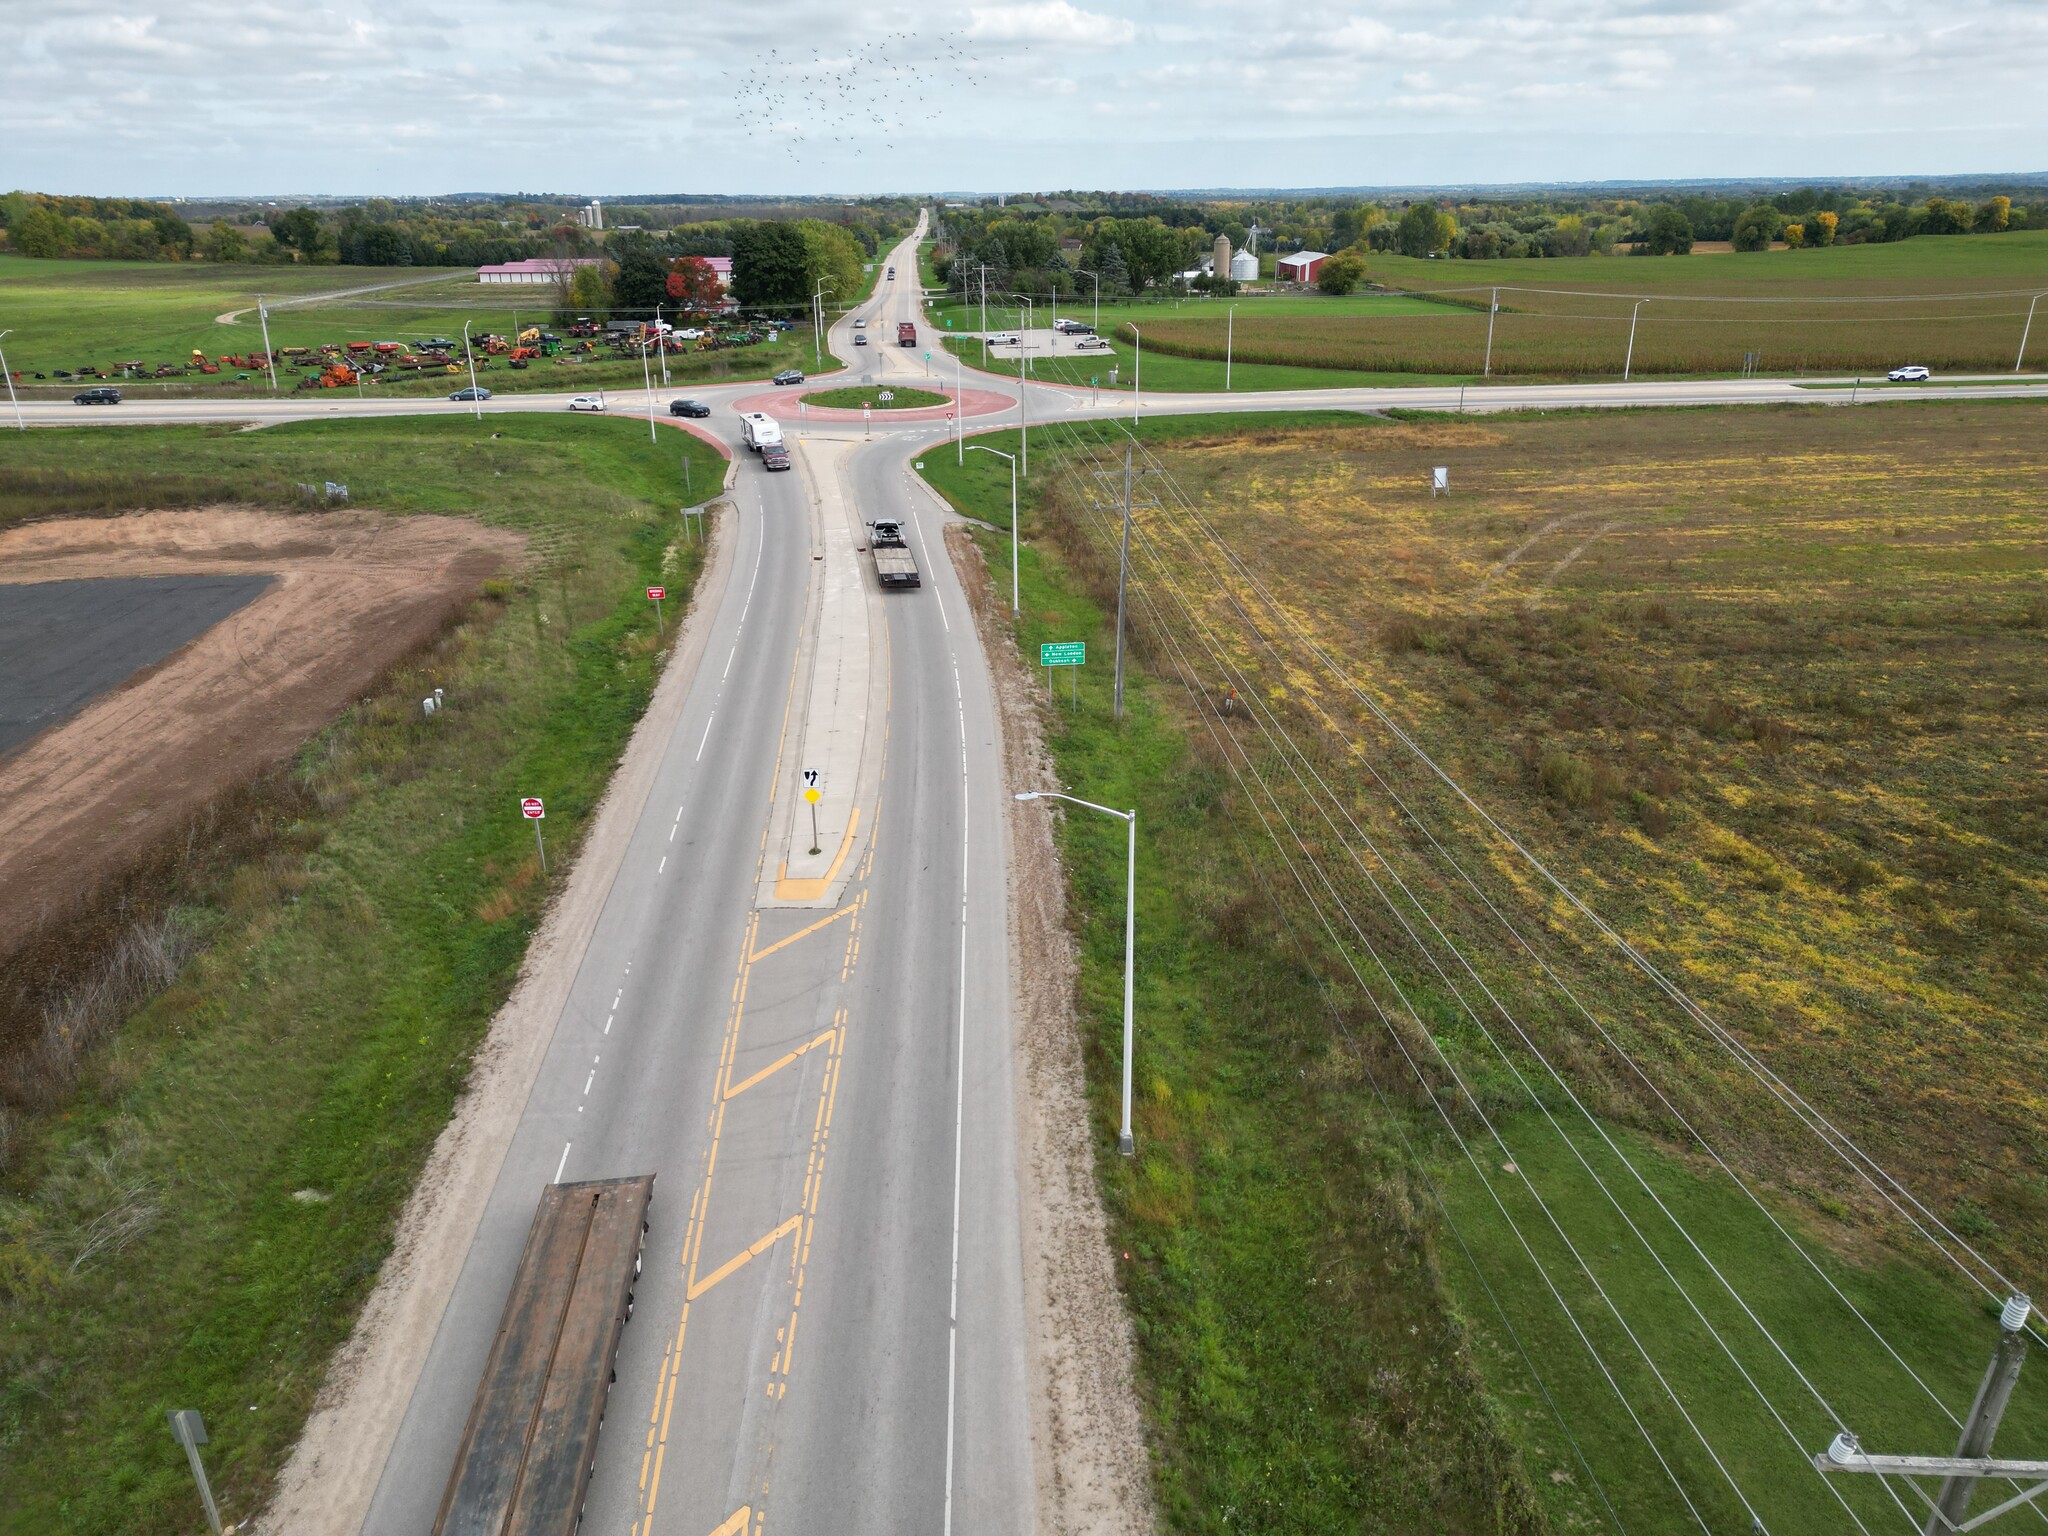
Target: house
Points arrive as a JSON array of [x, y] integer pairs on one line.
[[535, 269], [1301, 267]]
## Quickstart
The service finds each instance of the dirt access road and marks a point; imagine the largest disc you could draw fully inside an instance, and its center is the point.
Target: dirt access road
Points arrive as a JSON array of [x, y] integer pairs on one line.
[[351, 593]]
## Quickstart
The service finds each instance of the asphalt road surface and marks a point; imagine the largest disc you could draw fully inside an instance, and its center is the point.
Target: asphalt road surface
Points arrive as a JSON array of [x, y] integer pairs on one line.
[[811, 1053], [66, 642]]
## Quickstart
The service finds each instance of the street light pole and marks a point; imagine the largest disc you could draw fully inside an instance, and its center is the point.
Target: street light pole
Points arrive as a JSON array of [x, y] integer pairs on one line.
[[1229, 343], [960, 407], [1097, 278], [1493, 309], [475, 400], [15, 401], [818, 322], [647, 384], [1013, 520], [1137, 366], [1630, 361], [661, 343], [269, 359], [2027, 331], [1125, 1142]]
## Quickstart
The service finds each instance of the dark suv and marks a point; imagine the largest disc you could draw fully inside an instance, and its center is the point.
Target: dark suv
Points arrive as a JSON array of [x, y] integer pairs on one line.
[[99, 396], [688, 408]]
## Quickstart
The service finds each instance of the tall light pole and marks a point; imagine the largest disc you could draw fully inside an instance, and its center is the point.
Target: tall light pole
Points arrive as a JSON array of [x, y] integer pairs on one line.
[[269, 360], [476, 401], [960, 406], [15, 401], [1096, 277], [1125, 1142], [1630, 361], [647, 384], [661, 343], [1486, 372], [2024, 334], [1013, 519], [1229, 343], [1137, 364], [818, 321]]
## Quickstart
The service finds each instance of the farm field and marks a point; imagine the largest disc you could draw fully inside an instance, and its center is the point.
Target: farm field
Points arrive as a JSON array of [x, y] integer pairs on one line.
[[346, 924], [75, 315], [1843, 310], [1762, 687], [1111, 370]]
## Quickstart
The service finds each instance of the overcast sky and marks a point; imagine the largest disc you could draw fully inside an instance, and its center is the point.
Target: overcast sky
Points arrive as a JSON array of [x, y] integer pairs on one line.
[[610, 96]]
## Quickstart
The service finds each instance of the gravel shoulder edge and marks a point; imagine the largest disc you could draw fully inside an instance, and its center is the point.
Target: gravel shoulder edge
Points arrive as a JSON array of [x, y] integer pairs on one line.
[[1090, 1458], [327, 1485]]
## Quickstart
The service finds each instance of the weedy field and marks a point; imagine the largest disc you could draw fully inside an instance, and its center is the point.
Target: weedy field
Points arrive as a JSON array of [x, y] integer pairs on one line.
[[1760, 688], [194, 1218]]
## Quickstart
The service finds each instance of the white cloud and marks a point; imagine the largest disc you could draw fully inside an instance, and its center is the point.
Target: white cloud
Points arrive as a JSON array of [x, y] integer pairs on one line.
[[422, 96], [1049, 21]]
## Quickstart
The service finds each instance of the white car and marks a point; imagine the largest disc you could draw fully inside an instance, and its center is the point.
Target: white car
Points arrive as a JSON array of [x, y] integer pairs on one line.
[[860, 325], [1912, 373], [586, 402]]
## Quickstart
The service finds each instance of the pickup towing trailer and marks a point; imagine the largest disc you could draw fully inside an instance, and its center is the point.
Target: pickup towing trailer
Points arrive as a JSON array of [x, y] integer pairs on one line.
[[894, 566], [524, 1464], [759, 430], [906, 334]]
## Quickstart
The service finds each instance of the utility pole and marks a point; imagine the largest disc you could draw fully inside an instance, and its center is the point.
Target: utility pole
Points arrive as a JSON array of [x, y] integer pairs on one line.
[[12, 399], [1123, 578], [1949, 1511]]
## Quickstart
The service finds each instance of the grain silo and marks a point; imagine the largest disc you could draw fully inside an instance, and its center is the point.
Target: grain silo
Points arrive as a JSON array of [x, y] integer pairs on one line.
[[1219, 260], [1244, 267]]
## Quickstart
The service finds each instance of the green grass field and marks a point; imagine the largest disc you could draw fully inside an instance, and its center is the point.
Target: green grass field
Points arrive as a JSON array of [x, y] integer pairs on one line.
[[96, 314], [1756, 683], [353, 961]]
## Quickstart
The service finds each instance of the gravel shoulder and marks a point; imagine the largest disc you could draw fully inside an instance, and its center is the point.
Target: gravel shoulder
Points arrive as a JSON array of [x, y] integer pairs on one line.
[[1088, 1434]]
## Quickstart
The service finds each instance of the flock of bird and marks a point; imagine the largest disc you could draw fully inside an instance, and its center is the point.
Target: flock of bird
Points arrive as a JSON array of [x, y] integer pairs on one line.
[[834, 104]]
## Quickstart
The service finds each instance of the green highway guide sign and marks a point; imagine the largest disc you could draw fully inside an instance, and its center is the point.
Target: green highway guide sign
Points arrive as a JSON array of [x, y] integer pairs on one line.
[[1063, 653]]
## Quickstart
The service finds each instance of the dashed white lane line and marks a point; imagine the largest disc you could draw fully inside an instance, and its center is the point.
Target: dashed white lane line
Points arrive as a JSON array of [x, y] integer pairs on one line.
[[588, 1081], [672, 831], [608, 1022], [564, 1163], [700, 745], [662, 866]]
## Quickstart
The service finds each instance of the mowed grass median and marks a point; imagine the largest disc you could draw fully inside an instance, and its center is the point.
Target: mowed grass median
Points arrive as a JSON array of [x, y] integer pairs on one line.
[[1759, 685], [198, 1226]]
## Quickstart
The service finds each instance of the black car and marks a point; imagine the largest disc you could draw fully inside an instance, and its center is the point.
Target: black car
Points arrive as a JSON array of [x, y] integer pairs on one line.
[[790, 376], [688, 408], [775, 456], [100, 396]]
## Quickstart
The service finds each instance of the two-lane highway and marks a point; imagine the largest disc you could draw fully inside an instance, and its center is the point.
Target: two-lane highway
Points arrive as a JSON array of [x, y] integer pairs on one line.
[[828, 1333]]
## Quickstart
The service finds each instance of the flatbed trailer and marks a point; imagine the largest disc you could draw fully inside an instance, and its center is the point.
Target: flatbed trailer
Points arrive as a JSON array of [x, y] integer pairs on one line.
[[894, 565], [524, 1464]]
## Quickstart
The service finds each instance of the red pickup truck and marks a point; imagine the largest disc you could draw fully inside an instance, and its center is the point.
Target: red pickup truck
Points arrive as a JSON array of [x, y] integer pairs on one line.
[[906, 335]]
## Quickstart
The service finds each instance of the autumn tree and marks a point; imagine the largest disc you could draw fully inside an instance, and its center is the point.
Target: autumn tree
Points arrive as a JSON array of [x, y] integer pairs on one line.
[[1821, 226], [693, 285], [1995, 217]]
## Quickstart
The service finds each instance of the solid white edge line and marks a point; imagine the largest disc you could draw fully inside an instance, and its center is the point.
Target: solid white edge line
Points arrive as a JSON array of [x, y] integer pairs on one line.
[[959, 1109]]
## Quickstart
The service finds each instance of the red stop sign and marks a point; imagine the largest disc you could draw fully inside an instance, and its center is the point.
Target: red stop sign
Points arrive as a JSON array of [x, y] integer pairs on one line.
[[531, 808], [656, 594]]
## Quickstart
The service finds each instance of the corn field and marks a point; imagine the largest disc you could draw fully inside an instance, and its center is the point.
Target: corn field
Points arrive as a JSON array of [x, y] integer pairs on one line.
[[1576, 335]]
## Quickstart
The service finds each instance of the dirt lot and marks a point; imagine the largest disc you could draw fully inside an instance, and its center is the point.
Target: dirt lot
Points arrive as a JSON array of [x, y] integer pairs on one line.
[[352, 592]]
